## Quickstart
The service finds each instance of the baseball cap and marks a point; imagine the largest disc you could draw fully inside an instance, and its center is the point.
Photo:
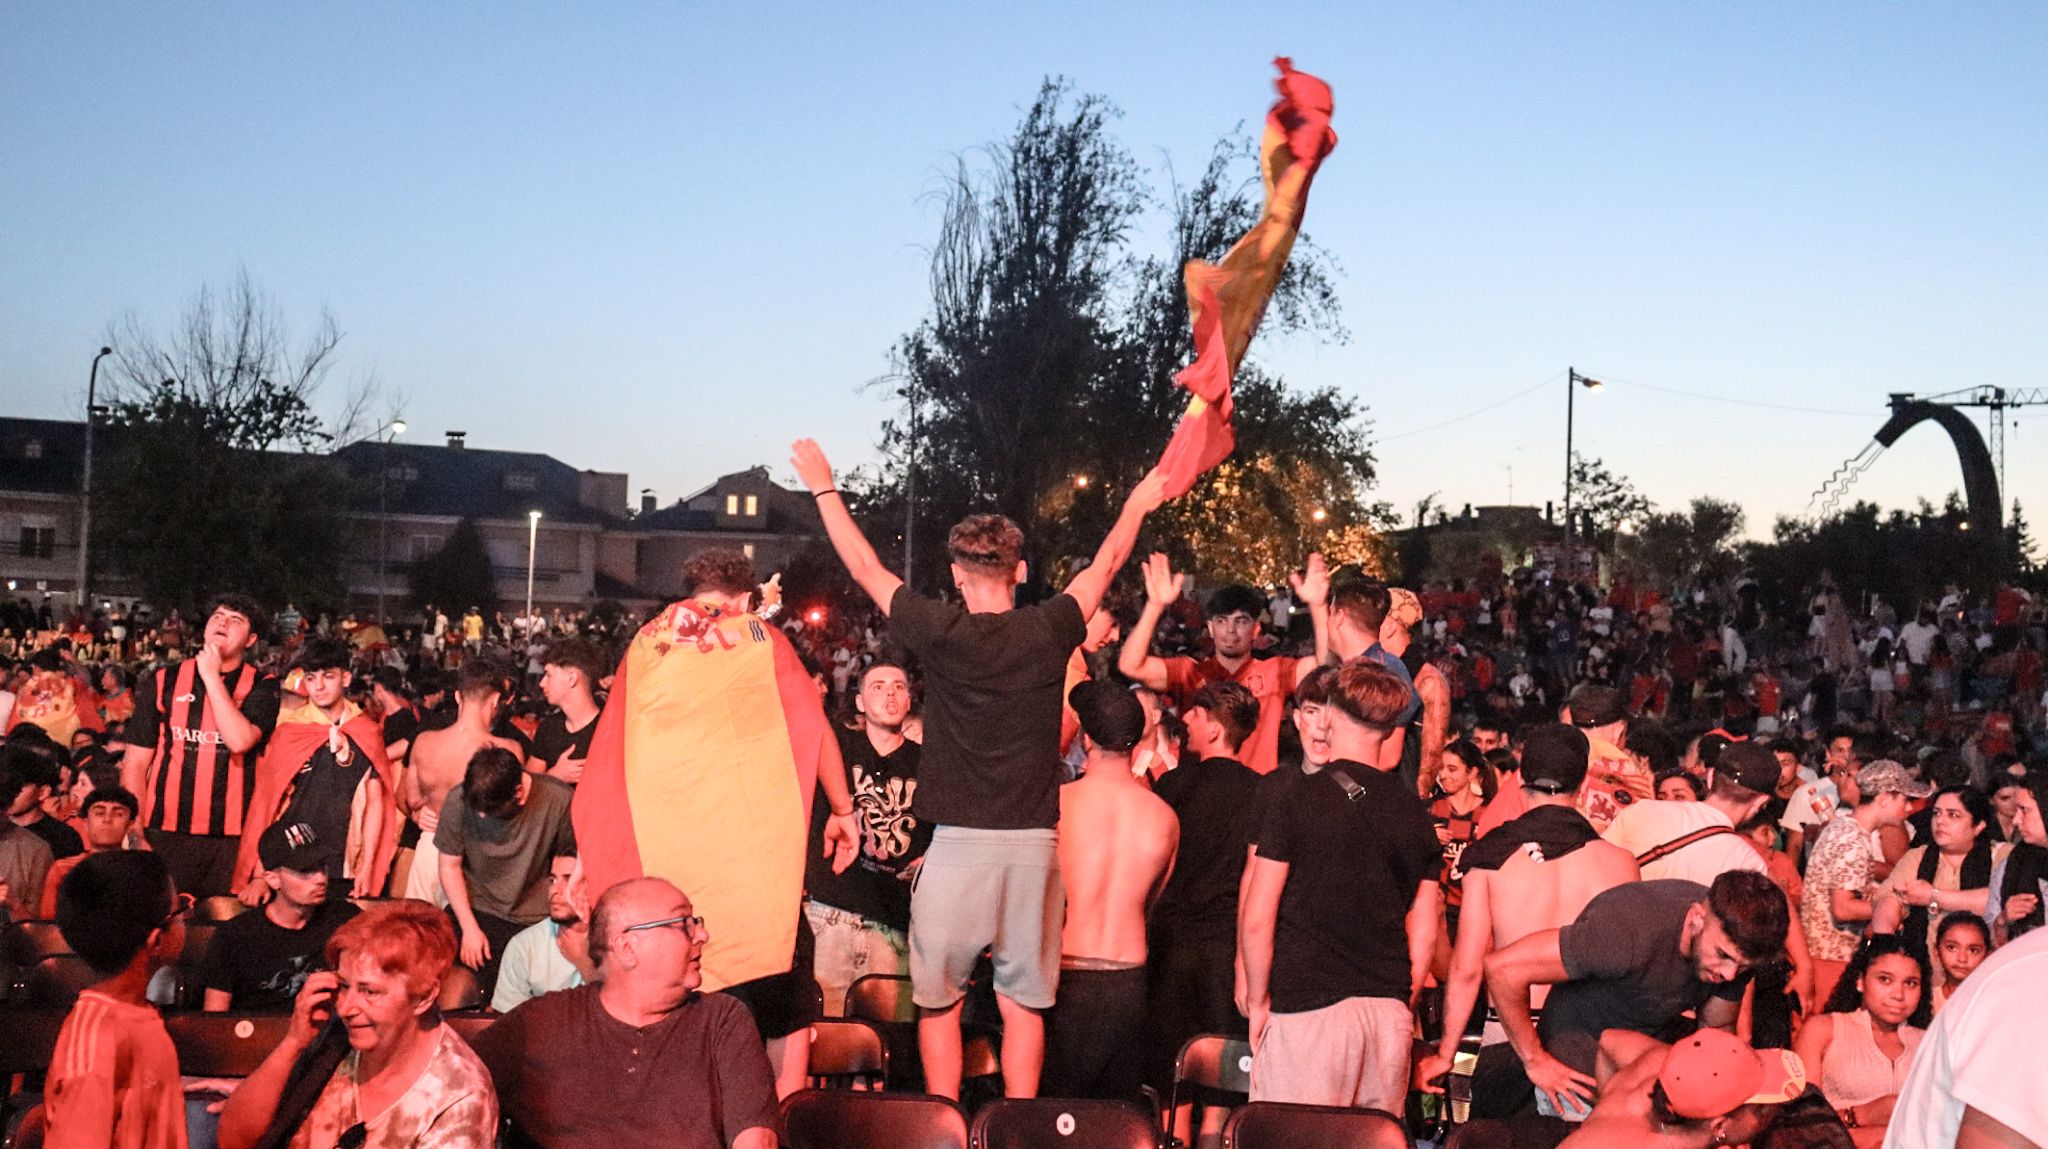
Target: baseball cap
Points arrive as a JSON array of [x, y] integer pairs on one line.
[[1754, 767], [1111, 717], [1554, 758], [1713, 1073], [296, 847], [1885, 776]]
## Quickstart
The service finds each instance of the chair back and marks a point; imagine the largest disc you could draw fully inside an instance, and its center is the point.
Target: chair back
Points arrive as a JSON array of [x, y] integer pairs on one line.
[[218, 908], [44, 935], [28, 1039], [1274, 1125], [171, 988], [461, 990], [980, 1058], [880, 997], [469, 1024], [848, 1053], [1211, 1063], [198, 944], [846, 1119], [225, 1044], [56, 981], [1056, 1123], [29, 1134]]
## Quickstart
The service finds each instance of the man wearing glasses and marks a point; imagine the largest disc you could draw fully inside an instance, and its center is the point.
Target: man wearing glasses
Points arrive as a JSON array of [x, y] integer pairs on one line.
[[641, 1058], [1638, 957]]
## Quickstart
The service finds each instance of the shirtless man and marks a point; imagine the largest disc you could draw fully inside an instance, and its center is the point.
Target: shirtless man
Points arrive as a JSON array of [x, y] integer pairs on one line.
[[439, 759], [1710, 1089], [1534, 873], [1116, 846]]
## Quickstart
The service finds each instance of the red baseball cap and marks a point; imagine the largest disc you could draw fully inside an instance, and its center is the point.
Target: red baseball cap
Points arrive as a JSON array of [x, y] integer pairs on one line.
[[1713, 1073]]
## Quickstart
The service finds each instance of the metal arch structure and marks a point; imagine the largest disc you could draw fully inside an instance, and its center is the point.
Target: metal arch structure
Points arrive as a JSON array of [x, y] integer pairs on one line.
[[1980, 474]]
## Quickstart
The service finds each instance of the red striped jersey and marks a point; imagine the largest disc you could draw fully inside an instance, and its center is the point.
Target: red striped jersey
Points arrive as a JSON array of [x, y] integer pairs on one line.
[[196, 785]]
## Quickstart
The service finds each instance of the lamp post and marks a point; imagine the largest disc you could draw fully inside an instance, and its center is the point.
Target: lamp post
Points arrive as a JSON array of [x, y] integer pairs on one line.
[[392, 431], [1573, 381], [92, 382], [910, 482], [532, 536]]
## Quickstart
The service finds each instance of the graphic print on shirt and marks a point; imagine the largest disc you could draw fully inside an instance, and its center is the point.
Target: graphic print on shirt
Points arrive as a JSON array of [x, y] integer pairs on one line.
[[887, 828]]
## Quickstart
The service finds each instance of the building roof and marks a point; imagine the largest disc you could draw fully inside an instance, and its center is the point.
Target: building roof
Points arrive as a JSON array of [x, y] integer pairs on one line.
[[784, 512], [473, 482]]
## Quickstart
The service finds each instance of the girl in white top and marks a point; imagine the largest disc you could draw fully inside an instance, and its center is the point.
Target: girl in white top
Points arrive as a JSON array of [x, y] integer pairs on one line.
[[1862, 1048]]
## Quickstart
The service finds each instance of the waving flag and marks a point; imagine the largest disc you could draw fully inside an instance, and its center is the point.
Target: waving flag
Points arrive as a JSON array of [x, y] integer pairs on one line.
[[1226, 301], [701, 772]]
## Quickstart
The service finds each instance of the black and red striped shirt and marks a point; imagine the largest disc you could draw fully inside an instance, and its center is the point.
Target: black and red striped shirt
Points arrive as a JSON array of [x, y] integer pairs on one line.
[[196, 785]]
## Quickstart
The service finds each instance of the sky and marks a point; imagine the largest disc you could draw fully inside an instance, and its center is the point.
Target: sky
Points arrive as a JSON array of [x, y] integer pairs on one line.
[[667, 239]]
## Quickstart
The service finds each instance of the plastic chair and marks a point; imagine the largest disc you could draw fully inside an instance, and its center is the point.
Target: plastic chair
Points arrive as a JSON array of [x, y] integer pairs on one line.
[[218, 908], [29, 1134], [848, 1054], [880, 997], [225, 1044], [845, 1119], [45, 936], [461, 990], [1058, 1123], [1274, 1125], [56, 981]]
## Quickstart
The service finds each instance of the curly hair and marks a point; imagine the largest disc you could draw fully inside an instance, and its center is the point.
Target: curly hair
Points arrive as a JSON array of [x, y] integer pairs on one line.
[[988, 545], [720, 571]]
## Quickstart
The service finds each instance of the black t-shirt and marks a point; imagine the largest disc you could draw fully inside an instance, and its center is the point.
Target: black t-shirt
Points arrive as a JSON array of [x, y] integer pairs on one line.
[[992, 708], [261, 964], [554, 741], [401, 726], [64, 841], [323, 795], [1353, 870], [1217, 802], [1626, 971], [891, 837]]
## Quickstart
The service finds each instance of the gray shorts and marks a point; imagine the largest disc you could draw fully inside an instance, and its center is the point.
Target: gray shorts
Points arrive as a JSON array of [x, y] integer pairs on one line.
[[981, 889], [1352, 1054]]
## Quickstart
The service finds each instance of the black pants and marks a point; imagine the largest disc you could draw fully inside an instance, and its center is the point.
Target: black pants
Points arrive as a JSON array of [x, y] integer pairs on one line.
[[202, 865], [783, 1003], [1192, 991], [499, 933], [1093, 1035]]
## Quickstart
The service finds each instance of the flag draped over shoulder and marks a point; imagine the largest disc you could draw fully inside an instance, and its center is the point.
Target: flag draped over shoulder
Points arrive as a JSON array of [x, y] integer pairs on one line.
[[301, 732], [1225, 301], [701, 772]]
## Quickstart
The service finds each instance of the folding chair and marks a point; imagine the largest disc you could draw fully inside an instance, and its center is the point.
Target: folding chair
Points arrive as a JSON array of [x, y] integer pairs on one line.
[[843, 1119], [1274, 1125], [225, 1044], [45, 936], [848, 1054], [880, 997], [56, 981], [1056, 1123], [218, 908], [461, 990], [1209, 1064]]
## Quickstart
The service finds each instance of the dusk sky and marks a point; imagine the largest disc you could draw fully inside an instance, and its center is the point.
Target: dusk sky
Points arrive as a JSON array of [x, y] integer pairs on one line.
[[666, 239]]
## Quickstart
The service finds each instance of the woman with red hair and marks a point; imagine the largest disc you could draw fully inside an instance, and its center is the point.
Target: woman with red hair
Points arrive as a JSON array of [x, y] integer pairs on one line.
[[367, 1063]]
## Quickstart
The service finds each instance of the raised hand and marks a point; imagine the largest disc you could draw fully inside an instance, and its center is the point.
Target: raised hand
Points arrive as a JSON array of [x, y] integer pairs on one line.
[[811, 465], [1312, 585], [1162, 586]]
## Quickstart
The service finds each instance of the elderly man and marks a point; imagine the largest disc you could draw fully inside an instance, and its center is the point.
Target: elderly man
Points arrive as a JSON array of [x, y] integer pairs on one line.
[[641, 1058]]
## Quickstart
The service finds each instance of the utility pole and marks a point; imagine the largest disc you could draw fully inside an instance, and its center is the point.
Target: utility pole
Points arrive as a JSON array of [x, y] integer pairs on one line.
[[92, 382]]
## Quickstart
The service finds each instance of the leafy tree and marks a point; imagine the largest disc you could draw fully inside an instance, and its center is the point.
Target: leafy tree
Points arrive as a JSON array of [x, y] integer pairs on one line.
[[1674, 548], [210, 484], [1042, 378], [457, 576], [1906, 556], [1605, 503]]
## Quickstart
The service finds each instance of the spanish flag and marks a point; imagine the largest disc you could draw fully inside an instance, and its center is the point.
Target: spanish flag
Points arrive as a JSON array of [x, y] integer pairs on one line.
[[1225, 302], [701, 772], [301, 732]]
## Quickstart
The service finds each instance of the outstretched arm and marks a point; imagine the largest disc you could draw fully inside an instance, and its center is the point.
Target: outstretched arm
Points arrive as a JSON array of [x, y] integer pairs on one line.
[[1088, 587], [860, 558]]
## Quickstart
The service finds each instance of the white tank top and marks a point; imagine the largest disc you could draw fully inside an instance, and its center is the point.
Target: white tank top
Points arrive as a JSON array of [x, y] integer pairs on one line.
[[1854, 1071]]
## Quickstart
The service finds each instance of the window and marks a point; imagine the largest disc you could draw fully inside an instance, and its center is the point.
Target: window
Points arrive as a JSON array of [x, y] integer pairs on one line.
[[424, 546], [747, 549], [732, 504], [519, 481], [33, 449], [402, 473], [753, 505], [38, 542]]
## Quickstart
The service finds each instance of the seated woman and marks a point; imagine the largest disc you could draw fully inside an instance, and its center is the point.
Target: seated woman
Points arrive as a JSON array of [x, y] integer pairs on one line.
[[1949, 875], [394, 1077], [1861, 1048], [1960, 946]]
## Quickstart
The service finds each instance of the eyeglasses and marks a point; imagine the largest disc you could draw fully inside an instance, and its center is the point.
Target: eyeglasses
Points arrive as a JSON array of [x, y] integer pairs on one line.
[[689, 924], [181, 904], [353, 1137]]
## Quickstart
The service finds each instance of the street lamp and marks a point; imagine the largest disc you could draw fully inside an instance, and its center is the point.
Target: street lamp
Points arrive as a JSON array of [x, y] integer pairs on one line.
[[392, 431], [92, 382], [1573, 381], [532, 536], [1319, 514]]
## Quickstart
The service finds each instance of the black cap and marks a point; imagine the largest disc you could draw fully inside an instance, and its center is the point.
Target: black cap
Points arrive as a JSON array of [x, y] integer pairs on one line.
[[1554, 758], [295, 847], [1754, 767], [1110, 716]]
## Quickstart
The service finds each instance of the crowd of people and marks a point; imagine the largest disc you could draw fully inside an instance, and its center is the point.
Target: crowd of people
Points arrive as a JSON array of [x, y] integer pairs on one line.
[[1517, 858]]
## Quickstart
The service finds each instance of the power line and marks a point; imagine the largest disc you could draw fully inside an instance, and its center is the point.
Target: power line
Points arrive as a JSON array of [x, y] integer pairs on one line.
[[1470, 414]]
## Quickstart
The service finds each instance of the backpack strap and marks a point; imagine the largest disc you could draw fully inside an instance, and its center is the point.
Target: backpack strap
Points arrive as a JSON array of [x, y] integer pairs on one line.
[[1659, 853]]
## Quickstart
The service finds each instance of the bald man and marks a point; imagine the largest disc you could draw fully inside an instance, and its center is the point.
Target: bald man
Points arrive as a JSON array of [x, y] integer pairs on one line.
[[641, 1058]]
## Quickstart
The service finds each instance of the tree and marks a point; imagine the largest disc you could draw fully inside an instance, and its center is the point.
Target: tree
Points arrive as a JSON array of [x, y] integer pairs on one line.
[[1672, 548], [1906, 556], [457, 576], [1042, 378], [210, 485], [1608, 503]]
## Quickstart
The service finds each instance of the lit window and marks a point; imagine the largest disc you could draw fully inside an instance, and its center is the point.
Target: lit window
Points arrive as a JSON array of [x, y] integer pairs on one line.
[[732, 504], [753, 506], [747, 549]]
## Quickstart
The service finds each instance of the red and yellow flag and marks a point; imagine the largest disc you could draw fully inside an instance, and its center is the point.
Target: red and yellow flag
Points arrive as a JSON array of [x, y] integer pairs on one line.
[[1225, 302], [301, 732], [701, 772]]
